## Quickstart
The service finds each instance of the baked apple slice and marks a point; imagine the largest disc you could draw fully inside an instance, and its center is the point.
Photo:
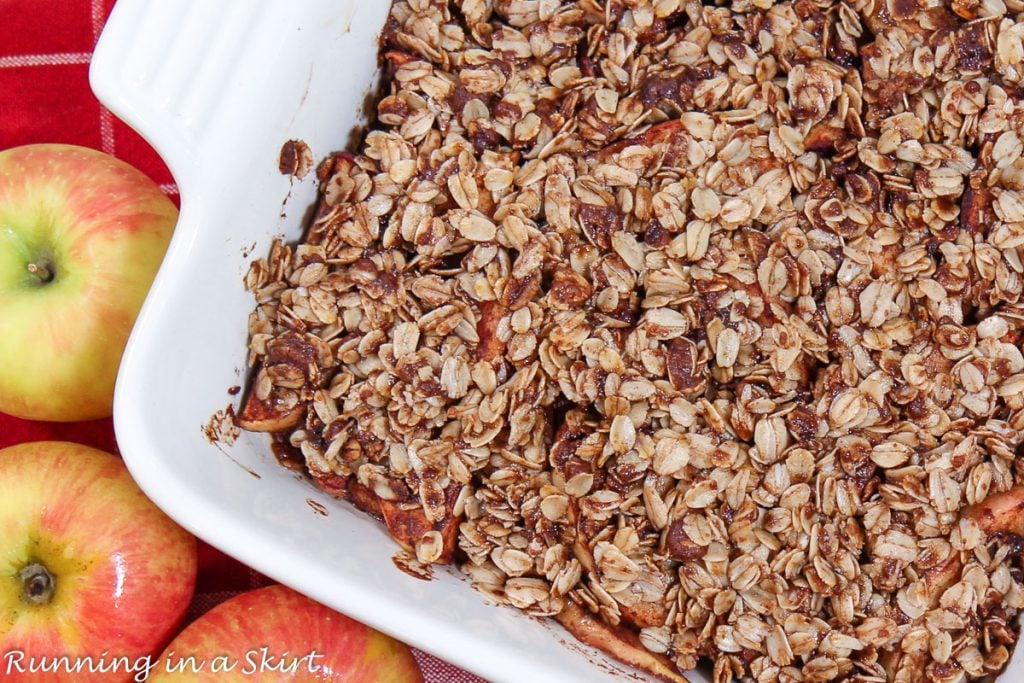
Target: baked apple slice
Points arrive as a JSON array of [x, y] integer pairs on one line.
[[272, 414], [409, 526], [618, 643], [1000, 512], [286, 379]]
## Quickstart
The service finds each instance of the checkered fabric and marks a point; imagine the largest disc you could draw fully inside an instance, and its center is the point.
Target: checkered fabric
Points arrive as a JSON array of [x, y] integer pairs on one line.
[[45, 48]]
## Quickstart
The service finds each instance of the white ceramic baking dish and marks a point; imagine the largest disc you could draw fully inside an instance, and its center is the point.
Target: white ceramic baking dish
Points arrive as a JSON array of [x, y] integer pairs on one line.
[[216, 88]]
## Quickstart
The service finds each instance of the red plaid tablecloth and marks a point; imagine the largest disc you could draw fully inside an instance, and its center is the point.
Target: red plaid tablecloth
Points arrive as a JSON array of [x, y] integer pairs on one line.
[[45, 47]]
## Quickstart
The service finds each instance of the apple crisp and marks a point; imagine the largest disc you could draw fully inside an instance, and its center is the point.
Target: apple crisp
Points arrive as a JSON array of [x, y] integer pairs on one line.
[[696, 327]]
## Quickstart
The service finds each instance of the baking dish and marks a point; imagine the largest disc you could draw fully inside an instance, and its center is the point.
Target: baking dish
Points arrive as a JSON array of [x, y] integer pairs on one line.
[[216, 88], [200, 122]]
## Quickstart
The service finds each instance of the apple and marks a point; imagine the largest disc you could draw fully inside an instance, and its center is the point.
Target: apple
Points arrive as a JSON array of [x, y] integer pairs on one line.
[[276, 634], [81, 237], [90, 569]]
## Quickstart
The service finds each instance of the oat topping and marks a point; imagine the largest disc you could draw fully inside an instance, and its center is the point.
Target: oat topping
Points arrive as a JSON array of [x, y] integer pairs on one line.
[[696, 327], [296, 159]]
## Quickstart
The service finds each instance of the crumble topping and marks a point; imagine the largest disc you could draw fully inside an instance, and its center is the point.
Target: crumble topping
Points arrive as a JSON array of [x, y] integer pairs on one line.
[[696, 327]]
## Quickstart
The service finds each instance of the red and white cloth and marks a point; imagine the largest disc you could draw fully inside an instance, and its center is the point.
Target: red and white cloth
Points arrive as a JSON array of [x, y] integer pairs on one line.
[[45, 48]]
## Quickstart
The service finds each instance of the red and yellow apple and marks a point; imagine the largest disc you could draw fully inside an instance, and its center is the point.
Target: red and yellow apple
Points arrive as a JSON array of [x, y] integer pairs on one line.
[[90, 569], [81, 237], [276, 634]]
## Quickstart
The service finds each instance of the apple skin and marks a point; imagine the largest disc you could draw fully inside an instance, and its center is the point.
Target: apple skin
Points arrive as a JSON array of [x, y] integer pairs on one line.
[[101, 228], [124, 573], [282, 620]]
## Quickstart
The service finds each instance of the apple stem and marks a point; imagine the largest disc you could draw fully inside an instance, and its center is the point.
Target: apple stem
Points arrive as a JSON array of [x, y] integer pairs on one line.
[[40, 270], [38, 584]]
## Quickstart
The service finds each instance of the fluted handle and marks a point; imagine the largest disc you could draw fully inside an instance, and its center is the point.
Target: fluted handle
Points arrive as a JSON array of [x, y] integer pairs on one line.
[[200, 78]]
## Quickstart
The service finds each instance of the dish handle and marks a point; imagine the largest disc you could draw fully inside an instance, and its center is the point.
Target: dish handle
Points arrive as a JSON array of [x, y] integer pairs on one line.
[[162, 67]]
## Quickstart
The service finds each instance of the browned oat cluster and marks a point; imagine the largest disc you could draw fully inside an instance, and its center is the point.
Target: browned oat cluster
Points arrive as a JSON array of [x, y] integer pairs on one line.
[[696, 327]]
